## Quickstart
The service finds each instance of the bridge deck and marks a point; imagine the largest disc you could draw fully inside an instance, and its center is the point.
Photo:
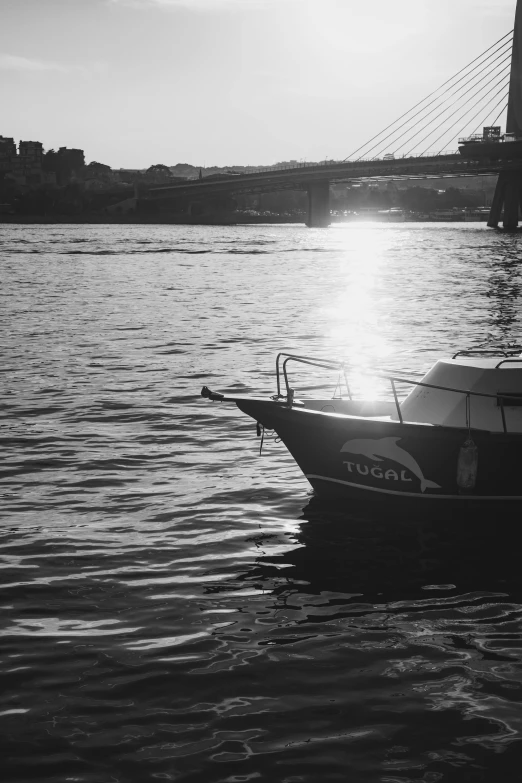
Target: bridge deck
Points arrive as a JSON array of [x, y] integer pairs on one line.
[[300, 177]]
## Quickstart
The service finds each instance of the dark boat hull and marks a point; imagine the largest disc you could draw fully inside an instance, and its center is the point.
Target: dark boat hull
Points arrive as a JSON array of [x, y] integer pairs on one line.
[[356, 457]]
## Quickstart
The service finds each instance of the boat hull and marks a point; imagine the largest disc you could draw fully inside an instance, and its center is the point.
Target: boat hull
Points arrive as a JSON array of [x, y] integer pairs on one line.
[[357, 457]]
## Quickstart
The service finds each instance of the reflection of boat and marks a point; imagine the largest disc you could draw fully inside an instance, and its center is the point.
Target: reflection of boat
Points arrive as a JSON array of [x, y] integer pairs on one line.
[[373, 550], [456, 435]]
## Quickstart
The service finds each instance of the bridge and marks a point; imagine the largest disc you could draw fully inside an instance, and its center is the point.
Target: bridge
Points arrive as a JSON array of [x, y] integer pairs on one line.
[[478, 95]]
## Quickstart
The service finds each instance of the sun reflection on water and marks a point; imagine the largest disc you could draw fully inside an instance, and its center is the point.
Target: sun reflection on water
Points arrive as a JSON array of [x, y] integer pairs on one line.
[[359, 328]]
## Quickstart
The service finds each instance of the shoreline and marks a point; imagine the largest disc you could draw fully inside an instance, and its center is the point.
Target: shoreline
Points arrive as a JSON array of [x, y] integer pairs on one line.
[[233, 221]]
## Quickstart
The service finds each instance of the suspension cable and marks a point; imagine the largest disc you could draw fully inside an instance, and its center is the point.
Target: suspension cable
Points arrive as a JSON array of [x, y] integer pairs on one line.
[[498, 115], [462, 117], [465, 87], [503, 98], [482, 123], [447, 82], [458, 120], [437, 100], [502, 74]]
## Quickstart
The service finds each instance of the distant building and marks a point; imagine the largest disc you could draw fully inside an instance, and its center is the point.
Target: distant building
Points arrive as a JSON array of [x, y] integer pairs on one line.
[[75, 158], [7, 153], [30, 154], [29, 163], [73, 161], [67, 164]]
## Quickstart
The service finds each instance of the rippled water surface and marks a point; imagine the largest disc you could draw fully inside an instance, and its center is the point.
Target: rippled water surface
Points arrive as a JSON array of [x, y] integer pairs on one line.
[[173, 606]]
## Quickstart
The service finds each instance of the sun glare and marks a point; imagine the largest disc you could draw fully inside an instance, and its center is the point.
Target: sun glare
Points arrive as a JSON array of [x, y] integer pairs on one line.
[[358, 323]]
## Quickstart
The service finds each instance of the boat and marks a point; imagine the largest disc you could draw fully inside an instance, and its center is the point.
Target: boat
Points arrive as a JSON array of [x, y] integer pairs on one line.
[[479, 215], [455, 434]]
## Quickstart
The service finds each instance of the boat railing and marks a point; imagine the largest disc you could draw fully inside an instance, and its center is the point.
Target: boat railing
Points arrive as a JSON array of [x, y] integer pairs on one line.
[[325, 364], [475, 137], [330, 364], [484, 352], [509, 361]]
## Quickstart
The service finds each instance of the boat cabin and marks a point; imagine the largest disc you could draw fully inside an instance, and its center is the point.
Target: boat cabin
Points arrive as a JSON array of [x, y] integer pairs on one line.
[[499, 380]]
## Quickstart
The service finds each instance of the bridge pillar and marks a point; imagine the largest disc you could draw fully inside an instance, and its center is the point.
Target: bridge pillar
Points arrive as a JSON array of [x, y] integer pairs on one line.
[[318, 204], [508, 195], [511, 203]]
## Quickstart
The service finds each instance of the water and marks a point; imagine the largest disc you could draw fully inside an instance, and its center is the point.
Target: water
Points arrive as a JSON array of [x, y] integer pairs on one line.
[[174, 607]]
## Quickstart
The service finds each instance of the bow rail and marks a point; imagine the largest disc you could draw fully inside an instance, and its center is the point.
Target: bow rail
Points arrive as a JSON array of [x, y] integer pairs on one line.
[[332, 364]]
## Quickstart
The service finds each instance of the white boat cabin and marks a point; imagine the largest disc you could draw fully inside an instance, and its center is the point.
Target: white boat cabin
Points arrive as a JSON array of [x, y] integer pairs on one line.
[[501, 378]]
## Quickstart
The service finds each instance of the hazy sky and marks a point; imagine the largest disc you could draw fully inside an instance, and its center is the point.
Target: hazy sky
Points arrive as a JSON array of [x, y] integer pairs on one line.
[[136, 82]]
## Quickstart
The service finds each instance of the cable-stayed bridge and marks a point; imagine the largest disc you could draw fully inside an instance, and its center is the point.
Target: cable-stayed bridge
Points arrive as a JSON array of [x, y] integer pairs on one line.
[[414, 146]]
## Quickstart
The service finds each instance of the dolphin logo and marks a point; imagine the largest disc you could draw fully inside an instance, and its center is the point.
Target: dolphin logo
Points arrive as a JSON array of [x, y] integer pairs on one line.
[[387, 448]]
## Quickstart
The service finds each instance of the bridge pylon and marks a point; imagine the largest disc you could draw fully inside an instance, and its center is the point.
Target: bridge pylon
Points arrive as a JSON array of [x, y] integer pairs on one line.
[[318, 204], [508, 197], [508, 193]]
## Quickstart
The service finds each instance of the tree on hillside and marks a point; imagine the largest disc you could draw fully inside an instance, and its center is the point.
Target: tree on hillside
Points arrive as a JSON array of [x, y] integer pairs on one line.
[[159, 168], [97, 168]]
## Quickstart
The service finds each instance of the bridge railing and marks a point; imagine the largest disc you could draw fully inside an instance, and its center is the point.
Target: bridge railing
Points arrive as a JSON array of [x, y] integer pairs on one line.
[[324, 163]]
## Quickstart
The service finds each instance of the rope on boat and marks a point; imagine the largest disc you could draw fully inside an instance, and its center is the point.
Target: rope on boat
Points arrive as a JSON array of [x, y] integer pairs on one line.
[[261, 432]]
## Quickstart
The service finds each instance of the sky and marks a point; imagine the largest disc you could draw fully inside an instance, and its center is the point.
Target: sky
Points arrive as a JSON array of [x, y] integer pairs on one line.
[[227, 82]]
